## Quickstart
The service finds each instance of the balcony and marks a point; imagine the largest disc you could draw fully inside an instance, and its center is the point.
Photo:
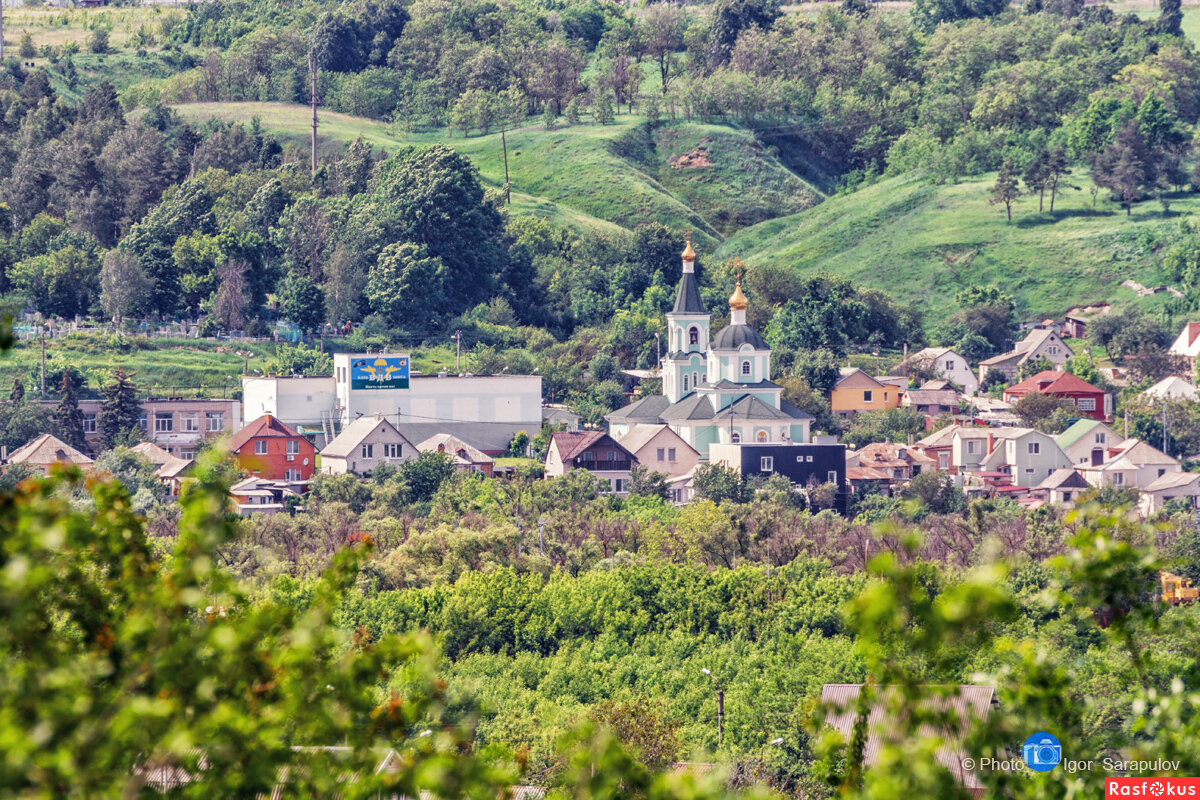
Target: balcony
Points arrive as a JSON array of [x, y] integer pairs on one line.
[[619, 465]]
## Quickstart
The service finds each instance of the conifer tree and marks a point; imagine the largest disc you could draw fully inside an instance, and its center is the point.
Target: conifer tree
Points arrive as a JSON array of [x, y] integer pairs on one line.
[[1006, 188], [67, 416], [17, 395], [119, 410]]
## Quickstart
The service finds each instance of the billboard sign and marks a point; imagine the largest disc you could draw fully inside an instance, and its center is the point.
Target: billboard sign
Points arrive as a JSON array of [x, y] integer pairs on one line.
[[379, 372]]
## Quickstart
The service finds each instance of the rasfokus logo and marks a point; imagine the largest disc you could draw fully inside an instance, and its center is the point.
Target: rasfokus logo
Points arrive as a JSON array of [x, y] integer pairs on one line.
[[1151, 787]]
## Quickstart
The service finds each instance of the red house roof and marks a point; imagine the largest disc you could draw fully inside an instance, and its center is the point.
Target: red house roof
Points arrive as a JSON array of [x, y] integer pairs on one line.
[[264, 426], [1053, 382]]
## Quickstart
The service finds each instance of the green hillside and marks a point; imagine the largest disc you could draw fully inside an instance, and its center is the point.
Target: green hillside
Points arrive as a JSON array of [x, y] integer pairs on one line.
[[708, 178], [923, 243]]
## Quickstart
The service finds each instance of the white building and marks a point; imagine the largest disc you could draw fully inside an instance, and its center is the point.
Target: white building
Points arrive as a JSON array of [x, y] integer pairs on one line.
[[487, 410], [946, 363], [365, 444]]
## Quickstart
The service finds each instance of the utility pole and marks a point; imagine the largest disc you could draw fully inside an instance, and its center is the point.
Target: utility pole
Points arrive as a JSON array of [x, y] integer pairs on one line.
[[720, 716], [457, 337], [312, 72], [1164, 441], [42, 336]]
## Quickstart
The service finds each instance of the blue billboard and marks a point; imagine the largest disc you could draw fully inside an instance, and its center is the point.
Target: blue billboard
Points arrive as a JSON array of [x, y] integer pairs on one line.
[[379, 372]]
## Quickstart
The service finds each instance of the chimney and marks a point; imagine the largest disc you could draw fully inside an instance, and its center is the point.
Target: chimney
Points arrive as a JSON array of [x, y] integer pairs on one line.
[[991, 443]]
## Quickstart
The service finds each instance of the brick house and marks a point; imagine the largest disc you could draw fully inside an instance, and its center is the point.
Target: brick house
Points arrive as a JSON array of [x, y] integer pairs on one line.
[[175, 424], [269, 449], [1090, 401]]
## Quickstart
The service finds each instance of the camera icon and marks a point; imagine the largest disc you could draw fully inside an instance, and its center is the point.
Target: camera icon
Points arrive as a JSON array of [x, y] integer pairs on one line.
[[1042, 752]]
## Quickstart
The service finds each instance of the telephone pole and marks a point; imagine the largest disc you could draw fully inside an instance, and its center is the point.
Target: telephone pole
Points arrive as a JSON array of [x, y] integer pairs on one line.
[[457, 337]]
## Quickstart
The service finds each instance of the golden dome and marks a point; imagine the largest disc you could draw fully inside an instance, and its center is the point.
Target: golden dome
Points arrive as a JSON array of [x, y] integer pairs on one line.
[[688, 253], [737, 300]]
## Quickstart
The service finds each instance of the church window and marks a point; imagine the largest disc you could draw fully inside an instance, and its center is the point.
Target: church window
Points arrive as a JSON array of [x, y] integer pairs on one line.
[[694, 335], [745, 367], [695, 379], [685, 383], [761, 436]]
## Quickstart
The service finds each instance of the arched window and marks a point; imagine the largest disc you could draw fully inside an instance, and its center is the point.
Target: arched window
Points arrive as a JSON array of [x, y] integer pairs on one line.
[[745, 367], [695, 379], [685, 383], [693, 335], [735, 437], [761, 436]]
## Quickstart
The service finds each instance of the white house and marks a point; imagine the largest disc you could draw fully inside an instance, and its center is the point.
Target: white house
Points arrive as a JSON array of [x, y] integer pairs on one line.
[[1028, 455], [1063, 487], [1171, 486], [363, 445], [1038, 344], [660, 449], [944, 362], [1131, 463], [1087, 442], [1187, 345], [1172, 387]]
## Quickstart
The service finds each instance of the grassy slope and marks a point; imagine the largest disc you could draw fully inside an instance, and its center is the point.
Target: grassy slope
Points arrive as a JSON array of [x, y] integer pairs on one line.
[[924, 243], [589, 175]]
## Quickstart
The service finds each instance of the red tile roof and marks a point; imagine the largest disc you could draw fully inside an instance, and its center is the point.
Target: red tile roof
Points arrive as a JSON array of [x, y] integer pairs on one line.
[[1056, 382], [264, 426]]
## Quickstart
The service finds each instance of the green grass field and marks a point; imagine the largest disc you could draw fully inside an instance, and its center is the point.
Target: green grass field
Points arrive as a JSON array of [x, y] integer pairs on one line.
[[596, 176], [923, 243]]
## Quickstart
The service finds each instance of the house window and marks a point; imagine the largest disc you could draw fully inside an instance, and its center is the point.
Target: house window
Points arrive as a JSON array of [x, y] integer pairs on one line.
[[1086, 403], [677, 495], [188, 455], [191, 423], [766, 464], [735, 437], [618, 485], [391, 451], [164, 423], [694, 335], [368, 451], [587, 455], [949, 365], [214, 421], [292, 474], [886, 395], [831, 476], [1066, 496], [260, 447], [1052, 350], [868, 396], [1119, 479], [972, 447], [89, 423], [1035, 448], [661, 453], [745, 367], [612, 455], [1162, 472], [1029, 470], [670, 454], [143, 422], [293, 449], [1100, 438]]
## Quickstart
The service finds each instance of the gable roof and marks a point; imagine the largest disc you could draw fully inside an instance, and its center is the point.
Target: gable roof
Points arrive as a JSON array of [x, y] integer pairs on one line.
[[174, 468], [1036, 338], [1056, 382], [457, 449], [1078, 430], [265, 426], [46, 450], [931, 397], [1140, 453], [1003, 358], [1173, 480], [346, 442], [1188, 342], [572, 443], [927, 354], [887, 454], [153, 452], [648, 409], [852, 372], [940, 438], [692, 407], [1064, 478], [641, 435], [1173, 387], [751, 408]]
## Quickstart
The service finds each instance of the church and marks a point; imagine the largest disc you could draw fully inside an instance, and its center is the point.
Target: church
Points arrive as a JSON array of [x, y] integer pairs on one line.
[[715, 390]]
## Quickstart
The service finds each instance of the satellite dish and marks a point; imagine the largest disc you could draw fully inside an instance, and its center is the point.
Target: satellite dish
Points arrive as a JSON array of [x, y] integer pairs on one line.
[[306, 462]]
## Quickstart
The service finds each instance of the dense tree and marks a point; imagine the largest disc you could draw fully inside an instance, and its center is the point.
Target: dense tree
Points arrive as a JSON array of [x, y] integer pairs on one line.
[[408, 287], [67, 416], [118, 420], [125, 290], [1123, 166], [301, 301]]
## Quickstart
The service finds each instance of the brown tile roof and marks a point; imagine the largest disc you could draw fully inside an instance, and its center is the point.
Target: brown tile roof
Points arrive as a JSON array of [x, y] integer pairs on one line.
[[456, 448], [572, 443], [1057, 382], [265, 426]]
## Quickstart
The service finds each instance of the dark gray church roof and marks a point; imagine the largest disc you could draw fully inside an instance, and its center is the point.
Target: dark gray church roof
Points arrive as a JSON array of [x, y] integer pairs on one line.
[[648, 409], [732, 337], [687, 298]]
